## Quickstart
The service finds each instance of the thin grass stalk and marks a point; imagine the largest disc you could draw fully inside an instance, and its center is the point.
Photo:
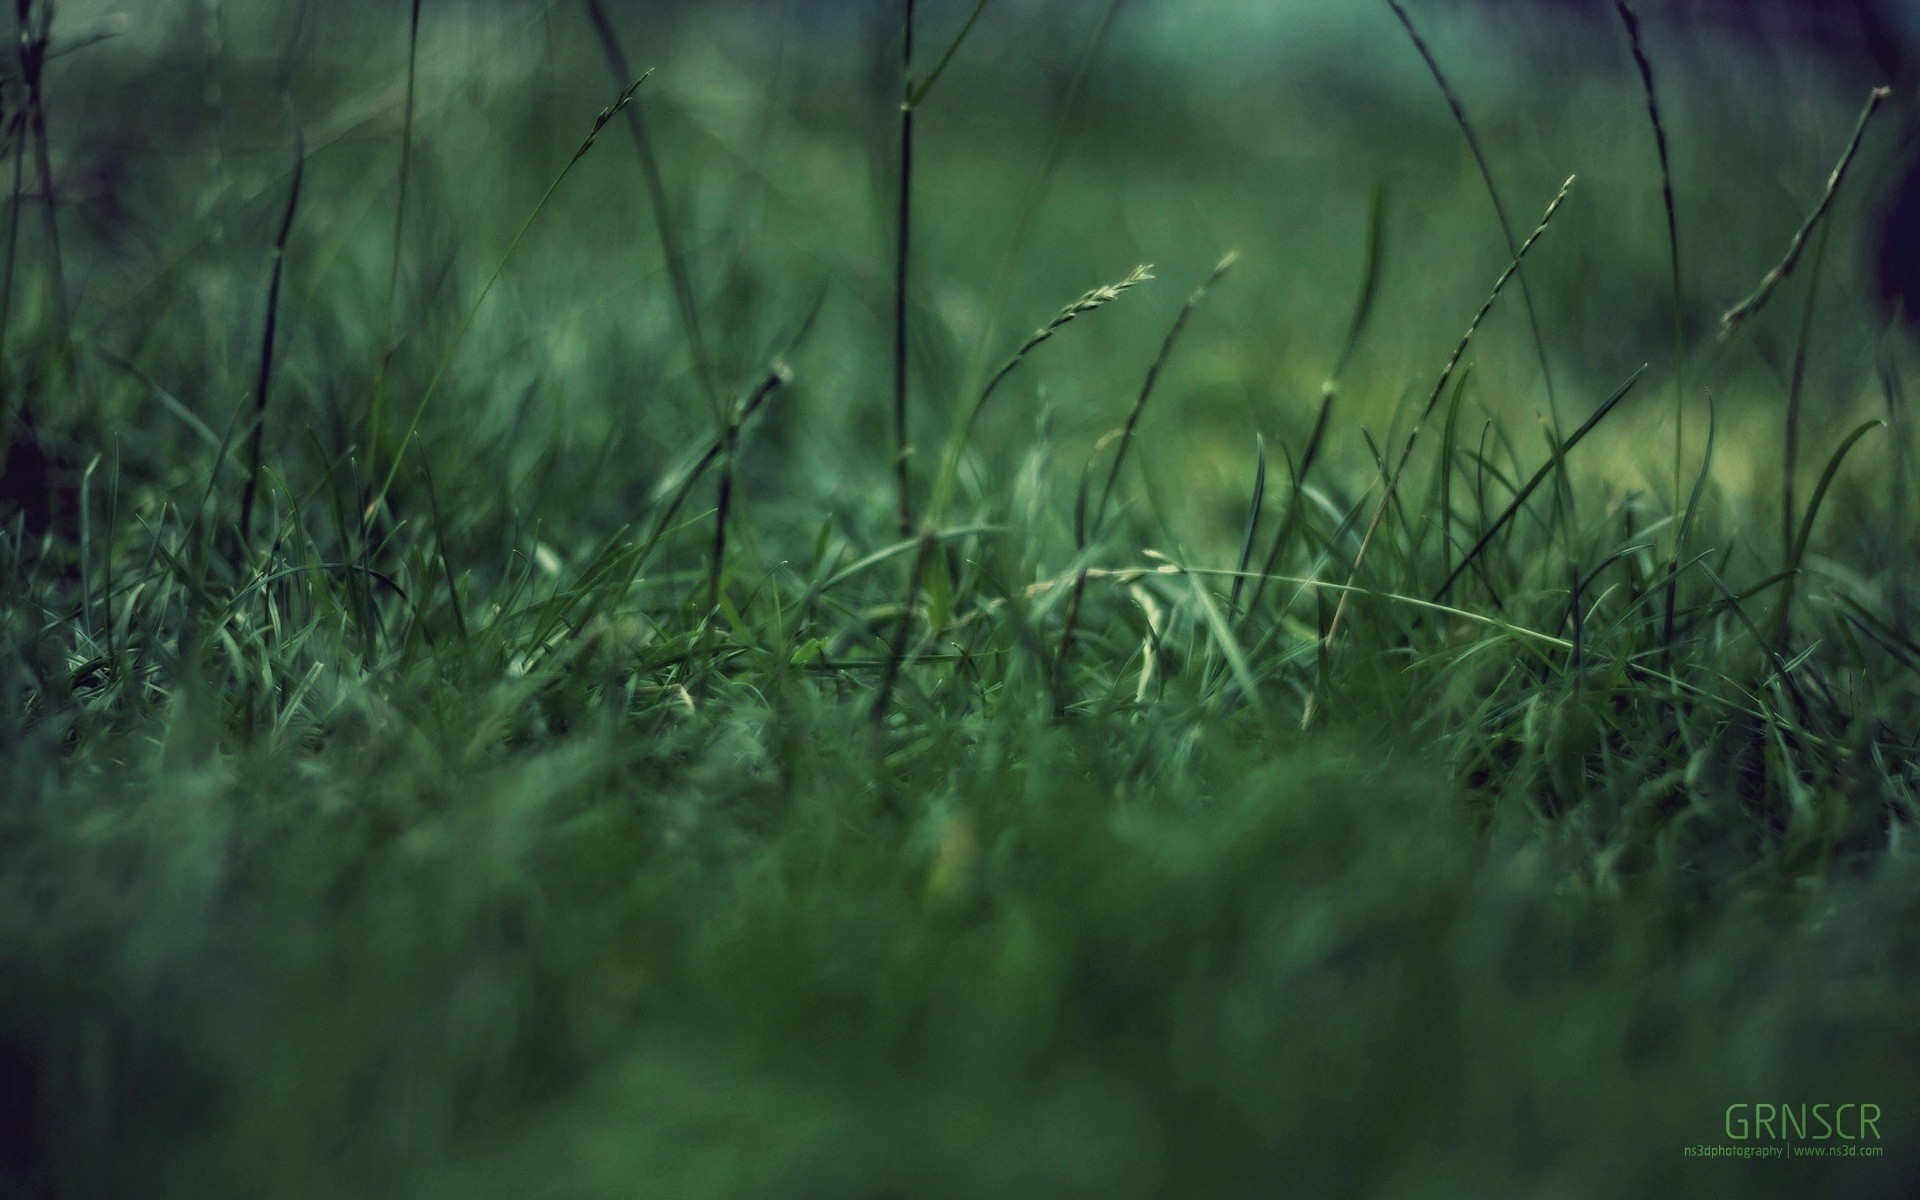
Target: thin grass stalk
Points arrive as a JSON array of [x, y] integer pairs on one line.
[[1069, 627], [1790, 439], [1751, 306], [1089, 302], [86, 548], [1147, 387], [10, 413], [1900, 492], [440, 543], [263, 381], [1630, 20], [1493, 193], [902, 256], [1295, 503], [16, 193], [1390, 474], [678, 273], [607, 114], [376, 406], [1083, 531], [1525, 492], [1255, 506], [723, 508], [1027, 215], [676, 495], [36, 23]]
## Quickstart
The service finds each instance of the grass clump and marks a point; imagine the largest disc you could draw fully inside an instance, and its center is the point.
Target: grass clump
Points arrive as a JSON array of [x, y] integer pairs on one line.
[[505, 819]]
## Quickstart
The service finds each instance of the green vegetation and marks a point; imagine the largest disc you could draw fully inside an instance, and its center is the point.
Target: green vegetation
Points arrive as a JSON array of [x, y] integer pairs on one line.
[[474, 724]]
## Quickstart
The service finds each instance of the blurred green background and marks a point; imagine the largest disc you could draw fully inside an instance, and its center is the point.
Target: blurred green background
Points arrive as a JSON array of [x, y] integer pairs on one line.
[[1067, 144]]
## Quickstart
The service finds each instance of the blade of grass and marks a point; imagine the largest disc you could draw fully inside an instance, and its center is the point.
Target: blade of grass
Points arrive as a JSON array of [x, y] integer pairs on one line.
[[1815, 501], [1539, 477], [263, 381], [916, 95], [440, 547], [607, 114], [964, 420], [376, 404], [1295, 499], [1493, 194], [1391, 476], [1741, 312], [679, 276], [1027, 215], [1147, 388], [1254, 506], [1630, 21], [902, 259]]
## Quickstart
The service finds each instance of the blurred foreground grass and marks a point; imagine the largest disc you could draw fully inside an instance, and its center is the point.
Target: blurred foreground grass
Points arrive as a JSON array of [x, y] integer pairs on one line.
[[506, 832]]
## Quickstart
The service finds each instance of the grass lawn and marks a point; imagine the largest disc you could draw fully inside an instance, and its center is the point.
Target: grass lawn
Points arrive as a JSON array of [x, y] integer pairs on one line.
[[563, 655]]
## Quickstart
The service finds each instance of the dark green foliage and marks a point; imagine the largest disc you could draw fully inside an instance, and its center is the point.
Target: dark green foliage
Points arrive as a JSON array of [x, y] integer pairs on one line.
[[507, 820]]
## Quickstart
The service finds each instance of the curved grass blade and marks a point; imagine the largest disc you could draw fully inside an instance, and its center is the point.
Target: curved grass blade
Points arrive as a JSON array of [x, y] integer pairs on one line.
[[264, 379], [1539, 477], [1740, 312], [1493, 193], [607, 114]]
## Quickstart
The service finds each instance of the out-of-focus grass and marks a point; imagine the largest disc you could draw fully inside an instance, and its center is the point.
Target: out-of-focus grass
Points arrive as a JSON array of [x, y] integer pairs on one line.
[[454, 842]]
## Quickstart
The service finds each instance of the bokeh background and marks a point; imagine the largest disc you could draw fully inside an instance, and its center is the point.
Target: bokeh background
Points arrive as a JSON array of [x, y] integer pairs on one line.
[[1067, 144], [441, 936]]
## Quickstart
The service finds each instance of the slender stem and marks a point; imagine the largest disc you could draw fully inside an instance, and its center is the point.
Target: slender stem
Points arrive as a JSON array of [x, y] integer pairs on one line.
[[1630, 20], [466, 322], [1391, 471], [1740, 312], [264, 380], [902, 254], [34, 36], [13, 246], [1493, 193], [678, 273], [376, 408]]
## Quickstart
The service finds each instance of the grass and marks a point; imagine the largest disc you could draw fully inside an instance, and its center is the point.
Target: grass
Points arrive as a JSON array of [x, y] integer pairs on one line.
[[510, 818]]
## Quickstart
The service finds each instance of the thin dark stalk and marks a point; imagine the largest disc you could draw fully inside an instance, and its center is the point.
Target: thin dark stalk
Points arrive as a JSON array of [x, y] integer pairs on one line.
[[902, 258], [723, 508], [35, 23], [1390, 473], [1295, 502], [677, 272], [1631, 22], [1739, 313], [1521, 494], [676, 495], [17, 193], [1146, 389], [264, 379], [9, 414], [1493, 193]]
